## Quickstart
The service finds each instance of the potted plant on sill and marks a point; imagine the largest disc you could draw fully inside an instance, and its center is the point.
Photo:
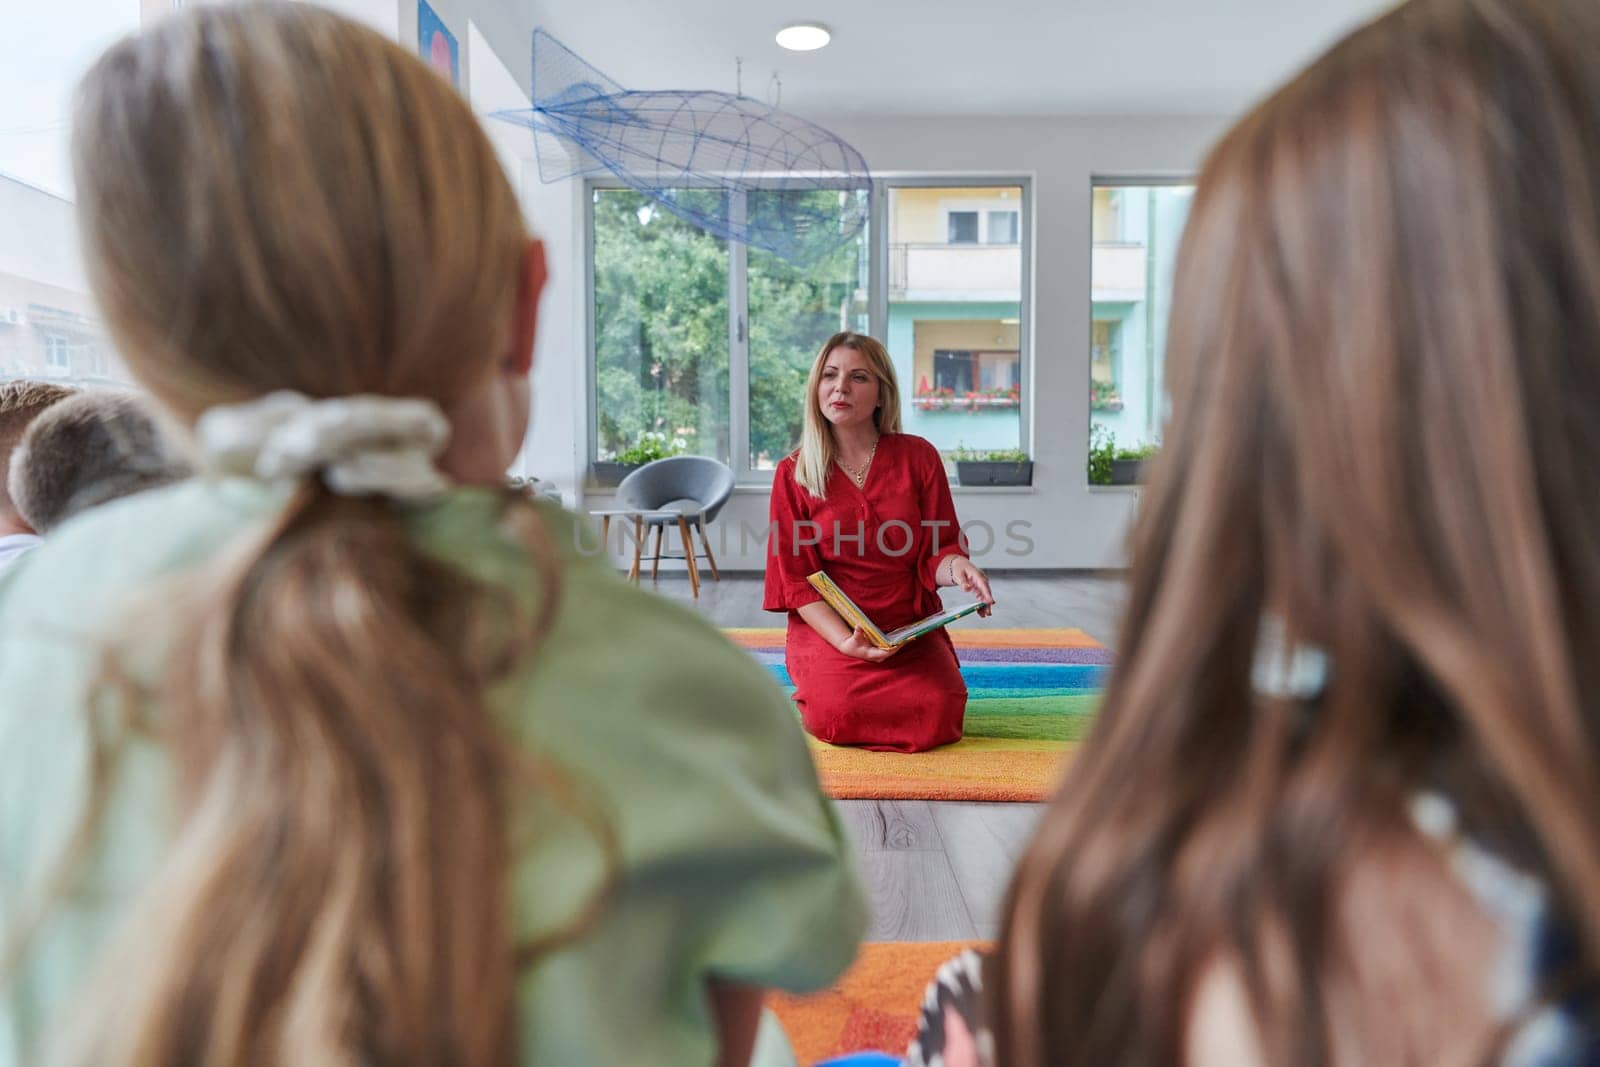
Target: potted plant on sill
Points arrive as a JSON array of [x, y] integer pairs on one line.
[[1102, 451], [652, 445], [1006, 467], [1127, 465]]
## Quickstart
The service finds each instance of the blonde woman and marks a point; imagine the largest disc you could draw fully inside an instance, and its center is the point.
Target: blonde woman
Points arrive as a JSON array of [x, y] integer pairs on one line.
[[870, 506], [342, 754]]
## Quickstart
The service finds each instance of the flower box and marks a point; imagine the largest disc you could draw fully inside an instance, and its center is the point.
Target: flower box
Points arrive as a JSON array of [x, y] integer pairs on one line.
[[1127, 471], [980, 402], [985, 472], [610, 473]]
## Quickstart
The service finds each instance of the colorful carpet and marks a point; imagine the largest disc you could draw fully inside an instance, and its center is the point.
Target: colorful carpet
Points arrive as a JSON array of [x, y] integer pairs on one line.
[[1031, 696], [873, 1006]]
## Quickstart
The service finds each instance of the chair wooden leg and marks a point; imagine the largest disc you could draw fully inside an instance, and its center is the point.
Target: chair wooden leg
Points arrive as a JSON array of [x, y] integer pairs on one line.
[[716, 575], [655, 559], [688, 554], [638, 547]]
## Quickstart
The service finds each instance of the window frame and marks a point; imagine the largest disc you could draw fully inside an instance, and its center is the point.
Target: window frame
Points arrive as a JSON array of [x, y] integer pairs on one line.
[[57, 352], [1026, 225], [1122, 180], [740, 459]]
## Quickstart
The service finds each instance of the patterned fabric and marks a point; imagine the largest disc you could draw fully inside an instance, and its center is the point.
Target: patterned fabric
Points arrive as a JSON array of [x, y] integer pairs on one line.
[[957, 988], [1550, 1029]]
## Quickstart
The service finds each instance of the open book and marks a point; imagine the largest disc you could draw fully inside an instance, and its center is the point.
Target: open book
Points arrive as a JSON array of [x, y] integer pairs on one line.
[[854, 616]]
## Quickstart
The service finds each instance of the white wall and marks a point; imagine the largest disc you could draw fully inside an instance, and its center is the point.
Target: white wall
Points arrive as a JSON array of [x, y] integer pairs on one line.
[[551, 451], [39, 236], [1071, 524]]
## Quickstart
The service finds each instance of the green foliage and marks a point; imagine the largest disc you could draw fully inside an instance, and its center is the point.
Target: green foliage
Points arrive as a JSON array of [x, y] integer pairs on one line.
[[652, 446], [1102, 450], [661, 330], [1142, 452], [1104, 396], [963, 454]]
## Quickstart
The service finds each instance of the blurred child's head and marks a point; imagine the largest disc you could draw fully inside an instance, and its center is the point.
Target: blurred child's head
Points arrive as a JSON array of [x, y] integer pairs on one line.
[[21, 401], [1384, 358], [85, 451], [272, 198]]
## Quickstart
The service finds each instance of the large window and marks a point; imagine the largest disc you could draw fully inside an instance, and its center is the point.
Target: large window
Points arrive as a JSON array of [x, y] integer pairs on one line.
[[708, 342], [660, 328], [49, 327], [955, 311], [1136, 228], [791, 312]]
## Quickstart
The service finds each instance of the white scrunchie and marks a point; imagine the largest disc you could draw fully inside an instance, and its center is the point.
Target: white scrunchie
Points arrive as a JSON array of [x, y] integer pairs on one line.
[[361, 445]]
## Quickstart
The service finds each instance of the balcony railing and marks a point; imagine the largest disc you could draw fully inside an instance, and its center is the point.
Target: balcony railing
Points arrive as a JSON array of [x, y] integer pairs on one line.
[[955, 272], [1117, 272], [993, 273]]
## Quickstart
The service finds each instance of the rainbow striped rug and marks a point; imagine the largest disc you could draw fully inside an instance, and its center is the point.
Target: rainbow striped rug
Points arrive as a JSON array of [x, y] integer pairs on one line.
[[1031, 695]]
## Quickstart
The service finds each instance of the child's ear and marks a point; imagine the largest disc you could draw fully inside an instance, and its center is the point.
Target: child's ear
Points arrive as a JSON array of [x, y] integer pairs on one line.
[[525, 327]]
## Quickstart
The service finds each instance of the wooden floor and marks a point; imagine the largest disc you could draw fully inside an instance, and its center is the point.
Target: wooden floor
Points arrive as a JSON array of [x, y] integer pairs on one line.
[[937, 870]]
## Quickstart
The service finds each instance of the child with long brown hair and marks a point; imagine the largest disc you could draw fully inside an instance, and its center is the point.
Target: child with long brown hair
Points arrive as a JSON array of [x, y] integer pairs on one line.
[[1342, 804], [342, 753]]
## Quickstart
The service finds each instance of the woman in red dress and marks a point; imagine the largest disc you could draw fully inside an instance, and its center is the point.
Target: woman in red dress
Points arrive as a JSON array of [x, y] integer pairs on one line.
[[871, 506]]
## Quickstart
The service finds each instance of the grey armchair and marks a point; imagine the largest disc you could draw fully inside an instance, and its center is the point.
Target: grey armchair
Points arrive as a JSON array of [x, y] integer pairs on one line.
[[684, 491]]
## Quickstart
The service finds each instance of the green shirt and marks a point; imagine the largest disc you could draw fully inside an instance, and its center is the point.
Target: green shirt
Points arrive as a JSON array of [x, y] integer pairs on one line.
[[732, 865]]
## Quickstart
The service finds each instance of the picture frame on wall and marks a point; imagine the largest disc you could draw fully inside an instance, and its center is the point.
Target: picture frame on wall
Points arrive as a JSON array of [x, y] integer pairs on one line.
[[437, 45]]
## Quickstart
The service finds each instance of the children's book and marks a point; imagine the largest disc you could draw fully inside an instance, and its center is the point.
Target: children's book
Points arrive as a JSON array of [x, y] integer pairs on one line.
[[854, 616]]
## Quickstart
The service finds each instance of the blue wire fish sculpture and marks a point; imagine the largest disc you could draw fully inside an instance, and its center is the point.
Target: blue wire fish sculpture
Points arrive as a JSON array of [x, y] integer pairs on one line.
[[691, 152]]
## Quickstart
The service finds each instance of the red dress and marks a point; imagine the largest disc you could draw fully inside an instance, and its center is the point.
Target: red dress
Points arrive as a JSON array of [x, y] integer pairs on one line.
[[883, 544]]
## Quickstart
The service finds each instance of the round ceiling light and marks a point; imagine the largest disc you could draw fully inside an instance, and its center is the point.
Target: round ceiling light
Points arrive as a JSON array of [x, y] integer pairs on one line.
[[804, 37]]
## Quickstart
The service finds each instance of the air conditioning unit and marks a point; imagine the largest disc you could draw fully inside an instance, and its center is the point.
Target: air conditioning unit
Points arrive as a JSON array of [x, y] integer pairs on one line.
[[13, 317]]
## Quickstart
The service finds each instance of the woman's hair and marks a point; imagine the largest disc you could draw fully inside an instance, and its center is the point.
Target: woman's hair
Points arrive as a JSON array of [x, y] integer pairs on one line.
[[1385, 367], [274, 197], [818, 449]]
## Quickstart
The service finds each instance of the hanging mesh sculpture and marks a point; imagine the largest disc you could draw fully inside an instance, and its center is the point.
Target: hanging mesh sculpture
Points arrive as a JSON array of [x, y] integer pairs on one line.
[[689, 151]]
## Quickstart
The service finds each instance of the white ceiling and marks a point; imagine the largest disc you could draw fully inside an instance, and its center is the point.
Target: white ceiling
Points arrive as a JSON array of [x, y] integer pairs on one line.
[[964, 57]]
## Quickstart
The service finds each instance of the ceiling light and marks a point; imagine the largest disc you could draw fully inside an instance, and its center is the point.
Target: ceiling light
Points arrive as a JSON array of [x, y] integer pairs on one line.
[[804, 37]]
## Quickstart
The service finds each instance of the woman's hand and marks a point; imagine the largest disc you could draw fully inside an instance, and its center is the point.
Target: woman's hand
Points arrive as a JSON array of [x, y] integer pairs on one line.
[[964, 574], [859, 646]]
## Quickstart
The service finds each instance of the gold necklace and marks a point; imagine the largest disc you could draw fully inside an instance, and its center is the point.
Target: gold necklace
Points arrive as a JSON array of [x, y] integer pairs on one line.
[[860, 476]]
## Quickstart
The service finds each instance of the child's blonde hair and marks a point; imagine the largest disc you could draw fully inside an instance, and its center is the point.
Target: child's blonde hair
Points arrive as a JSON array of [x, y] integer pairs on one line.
[[275, 197]]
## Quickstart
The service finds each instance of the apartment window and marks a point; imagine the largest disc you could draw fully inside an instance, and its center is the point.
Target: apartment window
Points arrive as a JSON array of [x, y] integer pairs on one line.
[[955, 312], [963, 227], [709, 342], [56, 355], [1105, 393], [1136, 227], [1002, 228]]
